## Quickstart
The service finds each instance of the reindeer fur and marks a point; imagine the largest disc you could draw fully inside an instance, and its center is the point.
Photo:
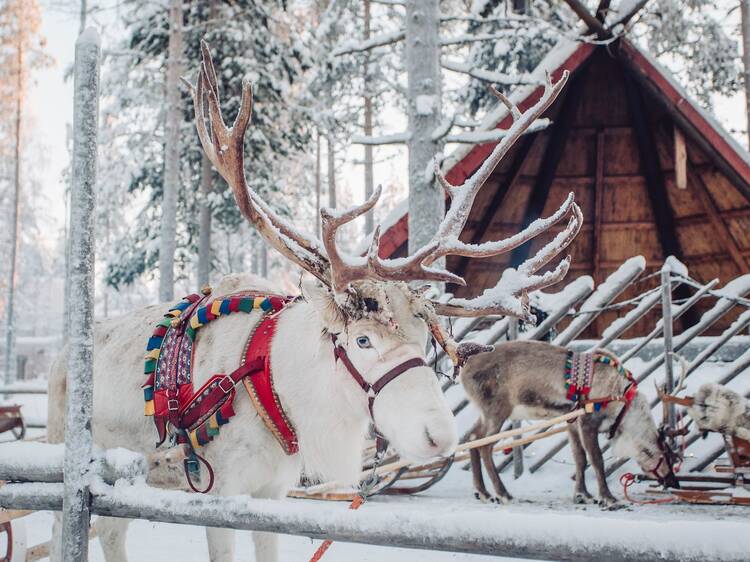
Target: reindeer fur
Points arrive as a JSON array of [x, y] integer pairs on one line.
[[525, 380], [327, 407], [716, 408]]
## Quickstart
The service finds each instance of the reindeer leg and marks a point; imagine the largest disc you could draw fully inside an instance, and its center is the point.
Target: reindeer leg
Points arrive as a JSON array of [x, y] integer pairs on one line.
[[581, 494], [489, 464], [480, 491], [590, 438]]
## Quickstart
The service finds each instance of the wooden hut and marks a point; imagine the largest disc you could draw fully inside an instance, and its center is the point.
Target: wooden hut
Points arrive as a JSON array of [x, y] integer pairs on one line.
[[654, 174]]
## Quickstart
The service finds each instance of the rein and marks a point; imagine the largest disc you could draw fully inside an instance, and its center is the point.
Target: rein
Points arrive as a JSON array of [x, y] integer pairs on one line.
[[372, 390]]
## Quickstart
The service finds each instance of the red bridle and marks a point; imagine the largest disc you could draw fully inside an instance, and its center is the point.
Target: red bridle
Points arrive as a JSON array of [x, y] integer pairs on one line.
[[372, 390]]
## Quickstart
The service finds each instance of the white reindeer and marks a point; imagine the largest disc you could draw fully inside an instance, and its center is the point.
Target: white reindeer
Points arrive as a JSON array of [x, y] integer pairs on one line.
[[378, 319]]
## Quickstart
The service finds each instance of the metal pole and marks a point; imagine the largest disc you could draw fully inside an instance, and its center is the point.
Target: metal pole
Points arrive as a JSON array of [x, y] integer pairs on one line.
[[666, 304], [78, 442]]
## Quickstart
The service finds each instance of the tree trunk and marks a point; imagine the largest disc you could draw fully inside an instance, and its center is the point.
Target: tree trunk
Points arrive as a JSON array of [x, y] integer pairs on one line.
[[84, 9], [426, 200], [15, 207], [263, 259], [745, 12], [331, 172], [317, 185], [204, 224], [204, 213], [171, 154], [369, 180]]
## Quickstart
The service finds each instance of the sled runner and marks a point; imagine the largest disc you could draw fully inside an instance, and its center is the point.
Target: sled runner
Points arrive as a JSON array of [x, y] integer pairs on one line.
[[12, 420], [728, 485]]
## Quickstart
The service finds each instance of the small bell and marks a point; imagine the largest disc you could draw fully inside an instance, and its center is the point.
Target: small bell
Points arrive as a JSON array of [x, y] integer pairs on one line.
[[206, 290]]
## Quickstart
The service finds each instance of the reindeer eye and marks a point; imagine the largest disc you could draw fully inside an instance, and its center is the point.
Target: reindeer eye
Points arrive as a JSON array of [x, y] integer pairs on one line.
[[364, 342], [371, 305]]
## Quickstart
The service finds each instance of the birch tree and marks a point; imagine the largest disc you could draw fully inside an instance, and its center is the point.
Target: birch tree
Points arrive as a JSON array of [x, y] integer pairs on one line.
[[745, 30], [171, 154]]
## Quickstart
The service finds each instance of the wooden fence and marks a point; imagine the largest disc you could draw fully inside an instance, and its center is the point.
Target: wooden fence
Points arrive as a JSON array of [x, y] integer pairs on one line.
[[580, 303]]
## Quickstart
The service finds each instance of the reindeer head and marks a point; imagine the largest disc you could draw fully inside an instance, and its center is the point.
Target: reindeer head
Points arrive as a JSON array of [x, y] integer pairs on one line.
[[367, 303]]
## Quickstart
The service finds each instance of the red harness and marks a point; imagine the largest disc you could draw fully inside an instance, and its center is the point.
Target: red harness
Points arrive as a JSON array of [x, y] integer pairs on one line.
[[197, 416], [218, 392]]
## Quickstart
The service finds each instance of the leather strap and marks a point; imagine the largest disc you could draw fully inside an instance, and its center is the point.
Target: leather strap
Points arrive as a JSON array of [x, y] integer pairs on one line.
[[628, 395], [374, 389]]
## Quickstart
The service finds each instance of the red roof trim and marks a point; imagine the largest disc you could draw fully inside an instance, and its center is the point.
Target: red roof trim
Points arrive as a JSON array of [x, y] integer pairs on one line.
[[686, 107]]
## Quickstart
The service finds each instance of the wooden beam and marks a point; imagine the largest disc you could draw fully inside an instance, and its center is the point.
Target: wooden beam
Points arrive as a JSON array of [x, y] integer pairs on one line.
[[652, 172], [556, 141], [680, 159], [594, 25], [498, 198], [721, 229], [598, 203], [713, 215], [602, 9]]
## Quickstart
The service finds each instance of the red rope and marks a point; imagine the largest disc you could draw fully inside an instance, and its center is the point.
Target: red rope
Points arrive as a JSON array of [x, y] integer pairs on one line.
[[627, 480], [356, 502]]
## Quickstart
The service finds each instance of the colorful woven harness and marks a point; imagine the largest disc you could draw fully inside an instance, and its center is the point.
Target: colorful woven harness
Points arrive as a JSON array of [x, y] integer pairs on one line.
[[579, 376], [196, 417]]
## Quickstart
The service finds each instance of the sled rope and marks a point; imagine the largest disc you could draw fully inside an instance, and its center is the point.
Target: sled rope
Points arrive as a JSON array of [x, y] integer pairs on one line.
[[356, 503], [627, 480]]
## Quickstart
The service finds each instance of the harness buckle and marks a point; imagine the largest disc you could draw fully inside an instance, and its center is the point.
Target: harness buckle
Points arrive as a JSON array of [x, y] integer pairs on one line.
[[173, 405], [230, 384]]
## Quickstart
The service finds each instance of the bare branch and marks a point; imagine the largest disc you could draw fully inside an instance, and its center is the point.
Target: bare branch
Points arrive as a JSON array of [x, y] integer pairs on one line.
[[350, 47], [482, 137], [395, 138], [486, 75]]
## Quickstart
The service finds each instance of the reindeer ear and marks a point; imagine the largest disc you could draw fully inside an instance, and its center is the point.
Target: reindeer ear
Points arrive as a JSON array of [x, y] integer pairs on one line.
[[325, 303]]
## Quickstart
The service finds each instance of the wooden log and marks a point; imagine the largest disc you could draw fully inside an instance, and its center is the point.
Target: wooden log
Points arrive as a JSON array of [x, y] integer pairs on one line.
[[680, 159], [78, 440], [450, 530], [24, 461]]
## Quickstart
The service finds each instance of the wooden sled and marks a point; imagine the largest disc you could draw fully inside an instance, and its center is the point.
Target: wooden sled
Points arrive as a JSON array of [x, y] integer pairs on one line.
[[728, 485], [12, 420]]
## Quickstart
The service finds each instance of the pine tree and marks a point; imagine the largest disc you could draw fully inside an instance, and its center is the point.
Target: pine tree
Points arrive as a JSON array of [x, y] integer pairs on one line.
[[253, 39], [21, 52]]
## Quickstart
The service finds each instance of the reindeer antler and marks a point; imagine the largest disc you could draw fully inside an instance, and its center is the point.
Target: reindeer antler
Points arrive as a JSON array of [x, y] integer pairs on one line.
[[224, 148]]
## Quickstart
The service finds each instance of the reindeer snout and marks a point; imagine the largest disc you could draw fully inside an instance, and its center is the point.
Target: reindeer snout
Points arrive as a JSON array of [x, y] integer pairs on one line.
[[441, 441]]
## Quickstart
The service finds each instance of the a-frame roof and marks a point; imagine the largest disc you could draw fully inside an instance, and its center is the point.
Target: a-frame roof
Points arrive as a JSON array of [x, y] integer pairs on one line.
[[698, 125]]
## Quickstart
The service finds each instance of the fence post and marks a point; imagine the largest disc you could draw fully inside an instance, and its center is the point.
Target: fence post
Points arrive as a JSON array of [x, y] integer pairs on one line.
[[517, 451], [666, 304], [78, 441]]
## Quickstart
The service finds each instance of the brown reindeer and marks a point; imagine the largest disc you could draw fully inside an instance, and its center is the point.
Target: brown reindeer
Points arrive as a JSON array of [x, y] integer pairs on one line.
[[526, 380]]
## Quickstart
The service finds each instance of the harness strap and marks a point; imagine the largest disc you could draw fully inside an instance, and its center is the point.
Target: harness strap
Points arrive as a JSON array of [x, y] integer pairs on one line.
[[628, 395], [373, 389], [186, 466]]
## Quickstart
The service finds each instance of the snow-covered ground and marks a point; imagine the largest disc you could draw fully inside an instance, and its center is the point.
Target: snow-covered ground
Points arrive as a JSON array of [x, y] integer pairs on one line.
[[542, 498]]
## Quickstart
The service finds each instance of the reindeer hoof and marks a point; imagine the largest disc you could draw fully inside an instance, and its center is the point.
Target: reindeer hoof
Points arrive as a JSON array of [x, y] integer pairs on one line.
[[610, 503], [505, 500], [483, 497], [583, 499]]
